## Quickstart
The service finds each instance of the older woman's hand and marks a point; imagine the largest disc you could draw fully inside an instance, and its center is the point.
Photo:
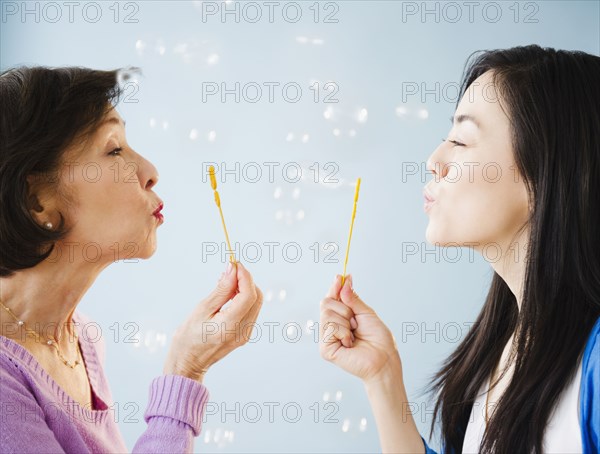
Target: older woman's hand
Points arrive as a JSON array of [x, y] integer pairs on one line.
[[353, 337], [212, 331]]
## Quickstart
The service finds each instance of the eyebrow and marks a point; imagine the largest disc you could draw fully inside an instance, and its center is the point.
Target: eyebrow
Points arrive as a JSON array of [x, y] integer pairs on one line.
[[464, 117], [114, 120]]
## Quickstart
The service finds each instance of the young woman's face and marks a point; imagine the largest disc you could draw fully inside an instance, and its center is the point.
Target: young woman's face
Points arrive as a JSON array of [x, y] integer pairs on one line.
[[480, 198], [113, 204]]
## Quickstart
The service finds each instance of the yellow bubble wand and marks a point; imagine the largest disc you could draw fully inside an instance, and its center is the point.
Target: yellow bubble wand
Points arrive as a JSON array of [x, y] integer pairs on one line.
[[356, 191], [213, 183]]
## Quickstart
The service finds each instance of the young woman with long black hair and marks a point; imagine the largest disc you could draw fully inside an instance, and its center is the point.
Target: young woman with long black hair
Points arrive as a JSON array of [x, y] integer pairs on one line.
[[533, 114]]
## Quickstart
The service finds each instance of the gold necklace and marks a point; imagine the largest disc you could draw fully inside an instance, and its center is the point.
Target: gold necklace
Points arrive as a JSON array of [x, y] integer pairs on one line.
[[50, 342]]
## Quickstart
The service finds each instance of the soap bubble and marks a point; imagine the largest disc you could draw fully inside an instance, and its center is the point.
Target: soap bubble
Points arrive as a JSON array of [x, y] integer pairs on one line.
[[363, 115], [346, 425], [423, 114], [128, 76], [140, 46], [363, 424], [212, 59], [401, 111]]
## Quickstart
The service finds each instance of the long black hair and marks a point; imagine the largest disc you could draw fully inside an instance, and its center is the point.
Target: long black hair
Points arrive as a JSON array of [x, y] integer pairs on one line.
[[42, 111], [552, 98]]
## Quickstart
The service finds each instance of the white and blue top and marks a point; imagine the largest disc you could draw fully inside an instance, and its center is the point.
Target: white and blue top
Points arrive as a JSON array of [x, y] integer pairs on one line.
[[574, 425]]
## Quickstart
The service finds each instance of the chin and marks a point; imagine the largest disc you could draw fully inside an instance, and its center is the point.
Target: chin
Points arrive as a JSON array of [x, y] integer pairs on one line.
[[149, 252], [444, 238], [434, 237], [146, 249]]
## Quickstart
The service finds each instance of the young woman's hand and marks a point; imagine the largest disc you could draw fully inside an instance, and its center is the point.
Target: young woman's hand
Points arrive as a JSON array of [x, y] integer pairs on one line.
[[212, 331], [352, 335]]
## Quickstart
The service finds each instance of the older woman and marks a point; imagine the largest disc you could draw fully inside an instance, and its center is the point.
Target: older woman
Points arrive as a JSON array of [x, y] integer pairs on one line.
[[518, 180], [54, 395]]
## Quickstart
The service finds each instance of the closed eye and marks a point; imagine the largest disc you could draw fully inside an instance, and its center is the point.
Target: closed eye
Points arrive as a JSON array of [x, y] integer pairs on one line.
[[457, 144]]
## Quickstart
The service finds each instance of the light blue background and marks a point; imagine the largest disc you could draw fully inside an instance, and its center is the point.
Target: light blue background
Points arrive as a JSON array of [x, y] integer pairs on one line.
[[371, 53]]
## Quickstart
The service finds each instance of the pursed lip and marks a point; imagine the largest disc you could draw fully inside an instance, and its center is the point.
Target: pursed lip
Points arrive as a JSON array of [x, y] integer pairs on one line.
[[428, 197], [158, 209]]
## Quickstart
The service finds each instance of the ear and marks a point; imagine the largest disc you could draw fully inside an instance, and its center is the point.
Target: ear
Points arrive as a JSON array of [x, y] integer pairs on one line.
[[39, 203]]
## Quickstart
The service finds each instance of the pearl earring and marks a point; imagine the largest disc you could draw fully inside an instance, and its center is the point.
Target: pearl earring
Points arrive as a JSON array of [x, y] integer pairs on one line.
[[48, 225]]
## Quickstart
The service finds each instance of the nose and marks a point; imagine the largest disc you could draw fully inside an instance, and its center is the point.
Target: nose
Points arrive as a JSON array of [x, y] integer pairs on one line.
[[147, 173], [436, 163]]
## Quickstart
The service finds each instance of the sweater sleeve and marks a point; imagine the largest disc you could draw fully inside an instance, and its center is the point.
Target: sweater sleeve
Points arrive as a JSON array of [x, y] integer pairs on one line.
[[174, 415], [23, 427], [590, 405]]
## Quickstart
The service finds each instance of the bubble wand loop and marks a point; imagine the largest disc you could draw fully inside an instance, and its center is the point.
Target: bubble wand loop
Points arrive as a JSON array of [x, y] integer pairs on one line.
[[213, 184], [351, 227]]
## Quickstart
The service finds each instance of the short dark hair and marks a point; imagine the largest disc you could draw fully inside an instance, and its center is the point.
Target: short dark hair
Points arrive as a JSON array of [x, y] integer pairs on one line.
[[42, 112]]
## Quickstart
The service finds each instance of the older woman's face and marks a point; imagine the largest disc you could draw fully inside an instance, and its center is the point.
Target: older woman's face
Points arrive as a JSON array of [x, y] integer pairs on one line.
[[480, 197], [114, 201]]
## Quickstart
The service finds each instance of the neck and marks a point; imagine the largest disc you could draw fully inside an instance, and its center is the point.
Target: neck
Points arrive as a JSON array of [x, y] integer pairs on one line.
[[46, 296], [511, 264]]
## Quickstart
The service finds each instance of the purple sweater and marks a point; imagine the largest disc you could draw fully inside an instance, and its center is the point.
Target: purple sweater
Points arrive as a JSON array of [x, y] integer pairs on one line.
[[36, 415]]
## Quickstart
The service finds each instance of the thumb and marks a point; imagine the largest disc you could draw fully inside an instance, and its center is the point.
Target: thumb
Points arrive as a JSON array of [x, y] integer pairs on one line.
[[351, 299], [224, 291], [334, 290]]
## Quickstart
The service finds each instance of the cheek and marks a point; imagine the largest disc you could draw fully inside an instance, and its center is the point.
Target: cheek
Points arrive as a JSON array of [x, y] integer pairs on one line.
[[480, 207], [105, 202], [457, 214]]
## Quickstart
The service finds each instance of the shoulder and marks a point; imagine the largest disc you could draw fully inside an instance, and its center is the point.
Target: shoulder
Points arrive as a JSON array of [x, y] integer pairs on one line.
[[14, 385], [591, 353], [590, 391]]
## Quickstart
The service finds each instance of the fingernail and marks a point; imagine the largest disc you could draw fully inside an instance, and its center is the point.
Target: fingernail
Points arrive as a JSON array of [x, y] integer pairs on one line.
[[353, 323], [221, 278], [229, 268], [349, 279]]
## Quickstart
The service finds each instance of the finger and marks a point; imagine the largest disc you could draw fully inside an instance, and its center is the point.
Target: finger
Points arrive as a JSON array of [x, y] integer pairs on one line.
[[252, 314], [334, 331], [249, 319], [350, 298], [247, 296], [223, 292], [337, 307], [334, 290], [330, 316]]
